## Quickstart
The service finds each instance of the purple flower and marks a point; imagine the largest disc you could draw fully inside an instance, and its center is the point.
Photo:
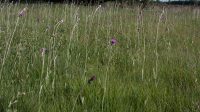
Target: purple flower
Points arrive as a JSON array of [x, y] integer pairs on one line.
[[91, 79], [113, 41]]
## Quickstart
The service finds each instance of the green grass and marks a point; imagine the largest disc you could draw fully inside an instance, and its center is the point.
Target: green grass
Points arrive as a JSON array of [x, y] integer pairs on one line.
[[154, 67]]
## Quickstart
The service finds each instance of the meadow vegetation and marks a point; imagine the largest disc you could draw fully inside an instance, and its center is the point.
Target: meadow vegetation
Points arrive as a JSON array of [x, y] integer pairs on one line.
[[50, 51]]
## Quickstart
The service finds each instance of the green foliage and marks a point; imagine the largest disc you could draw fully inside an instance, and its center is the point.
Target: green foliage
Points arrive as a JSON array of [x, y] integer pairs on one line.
[[153, 67]]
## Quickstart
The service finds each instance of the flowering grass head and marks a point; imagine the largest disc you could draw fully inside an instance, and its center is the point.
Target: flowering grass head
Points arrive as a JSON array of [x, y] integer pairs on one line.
[[62, 21], [43, 51], [22, 12]]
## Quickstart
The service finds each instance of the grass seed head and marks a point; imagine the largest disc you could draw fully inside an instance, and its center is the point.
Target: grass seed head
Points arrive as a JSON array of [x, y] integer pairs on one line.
[[22, 12], [43, 51]]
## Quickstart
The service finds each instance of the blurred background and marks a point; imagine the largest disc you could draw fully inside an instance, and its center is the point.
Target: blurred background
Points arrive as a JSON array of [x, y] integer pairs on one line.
[[93, 2]]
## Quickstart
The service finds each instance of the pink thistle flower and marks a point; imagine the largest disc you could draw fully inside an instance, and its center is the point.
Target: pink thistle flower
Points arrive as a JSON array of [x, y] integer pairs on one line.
[[113, 41]]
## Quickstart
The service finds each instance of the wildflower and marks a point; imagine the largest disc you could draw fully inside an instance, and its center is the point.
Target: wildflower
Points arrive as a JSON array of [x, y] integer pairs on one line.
[[113, 41], [43, 51], [91, 79], [22, 12]]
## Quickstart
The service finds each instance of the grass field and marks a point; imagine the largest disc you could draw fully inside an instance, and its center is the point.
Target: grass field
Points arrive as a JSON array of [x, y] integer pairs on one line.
[[48, 54]]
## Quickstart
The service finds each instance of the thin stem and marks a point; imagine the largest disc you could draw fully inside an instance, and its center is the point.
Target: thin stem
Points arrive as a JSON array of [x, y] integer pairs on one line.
[[8, 47], [156, 50]]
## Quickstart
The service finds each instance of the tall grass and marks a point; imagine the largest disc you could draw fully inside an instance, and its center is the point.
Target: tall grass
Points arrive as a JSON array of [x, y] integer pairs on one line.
[[153, 67]]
